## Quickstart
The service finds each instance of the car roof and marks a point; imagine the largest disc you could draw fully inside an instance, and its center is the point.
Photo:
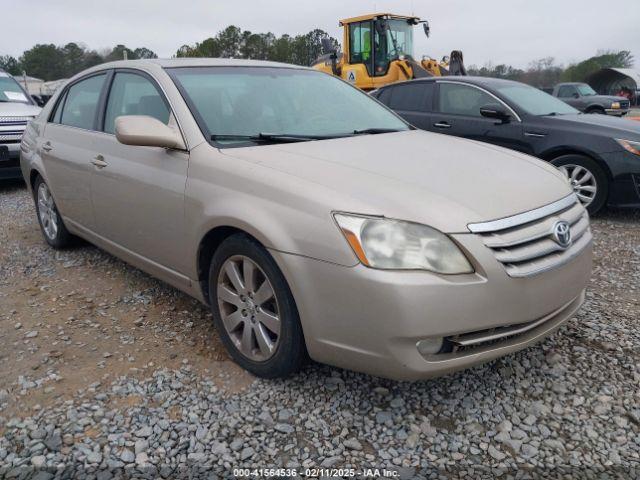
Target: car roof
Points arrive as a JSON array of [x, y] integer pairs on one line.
[[480, 81], [196, 62]]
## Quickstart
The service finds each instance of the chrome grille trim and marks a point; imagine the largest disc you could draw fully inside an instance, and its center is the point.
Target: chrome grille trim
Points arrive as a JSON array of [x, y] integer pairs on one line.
[[15, 120], [526, 217], [529, 248]]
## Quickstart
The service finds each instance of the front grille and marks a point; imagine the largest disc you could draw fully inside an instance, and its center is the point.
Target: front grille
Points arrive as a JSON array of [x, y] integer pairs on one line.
[[624, 104], [15, 120], [526, 249]]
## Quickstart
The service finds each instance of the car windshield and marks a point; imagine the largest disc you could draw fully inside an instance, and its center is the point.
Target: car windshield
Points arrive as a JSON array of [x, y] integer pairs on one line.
[[240, 105], [533, 100], [10, 91], [585, 90], [399, 39]]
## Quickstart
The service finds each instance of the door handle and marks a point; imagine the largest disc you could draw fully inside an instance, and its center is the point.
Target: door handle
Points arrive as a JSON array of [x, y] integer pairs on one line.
[[47, 147], [442, 125], [99, 162]]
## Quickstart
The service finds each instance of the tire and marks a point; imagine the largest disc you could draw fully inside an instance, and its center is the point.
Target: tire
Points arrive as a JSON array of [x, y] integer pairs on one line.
[[268, 349], [576, 167], [597, 110], [52, 227]]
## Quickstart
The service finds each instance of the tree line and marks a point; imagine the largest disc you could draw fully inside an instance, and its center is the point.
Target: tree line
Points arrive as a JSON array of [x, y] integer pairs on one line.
[[51, 62], [545, 72]]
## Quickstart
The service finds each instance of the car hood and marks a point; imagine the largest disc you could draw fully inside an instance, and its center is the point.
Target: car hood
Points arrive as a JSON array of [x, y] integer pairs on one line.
[[604, 125], [15, 109], [442, 181], [608, 98]]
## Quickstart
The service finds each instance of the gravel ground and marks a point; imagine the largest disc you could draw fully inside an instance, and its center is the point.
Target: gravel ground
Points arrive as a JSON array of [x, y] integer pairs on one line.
[[109, 373]]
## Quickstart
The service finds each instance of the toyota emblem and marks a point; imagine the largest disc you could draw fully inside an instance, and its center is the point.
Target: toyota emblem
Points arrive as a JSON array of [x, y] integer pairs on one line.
[[562, 233]]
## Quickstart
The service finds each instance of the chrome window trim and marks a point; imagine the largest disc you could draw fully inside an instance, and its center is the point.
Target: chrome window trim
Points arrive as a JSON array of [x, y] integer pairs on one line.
[[516, 116], [521, 218]]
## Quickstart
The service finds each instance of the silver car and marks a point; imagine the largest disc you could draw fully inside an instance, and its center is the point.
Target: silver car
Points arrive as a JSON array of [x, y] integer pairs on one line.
[[17, 109], [310, 218]]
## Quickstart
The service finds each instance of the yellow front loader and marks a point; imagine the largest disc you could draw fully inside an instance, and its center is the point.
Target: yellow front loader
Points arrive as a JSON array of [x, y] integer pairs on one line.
[[377, 49]]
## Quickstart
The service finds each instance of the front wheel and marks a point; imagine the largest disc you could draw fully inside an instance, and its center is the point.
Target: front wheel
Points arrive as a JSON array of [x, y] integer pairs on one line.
[[51, 224], [588, 180], [254, 310]]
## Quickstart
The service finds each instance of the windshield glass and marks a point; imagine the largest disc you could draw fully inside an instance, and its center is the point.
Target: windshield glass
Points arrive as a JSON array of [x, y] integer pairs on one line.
[[10, 91], [585, 90], [249, 101], [399, 39], [534, 101]]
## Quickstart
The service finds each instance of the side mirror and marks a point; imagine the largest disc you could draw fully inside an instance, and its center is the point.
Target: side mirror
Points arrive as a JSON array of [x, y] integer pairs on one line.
[[426, 28], [145, 131], [495, 111], [576, 95]]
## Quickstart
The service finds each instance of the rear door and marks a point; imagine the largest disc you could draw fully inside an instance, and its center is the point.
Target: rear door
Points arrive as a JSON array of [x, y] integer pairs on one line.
[[68, 148], [138, 192], [413, 101], [457, 112]]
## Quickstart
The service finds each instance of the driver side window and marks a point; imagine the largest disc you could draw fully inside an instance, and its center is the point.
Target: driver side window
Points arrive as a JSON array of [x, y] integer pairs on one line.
[[566, 92]]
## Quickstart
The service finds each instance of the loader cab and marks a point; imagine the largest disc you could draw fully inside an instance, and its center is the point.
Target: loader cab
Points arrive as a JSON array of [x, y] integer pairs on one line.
[[376, 41]]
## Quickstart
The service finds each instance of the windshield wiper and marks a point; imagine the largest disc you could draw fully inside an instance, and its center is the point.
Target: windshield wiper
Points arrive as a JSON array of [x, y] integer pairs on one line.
[[374, 131], [268, 137]]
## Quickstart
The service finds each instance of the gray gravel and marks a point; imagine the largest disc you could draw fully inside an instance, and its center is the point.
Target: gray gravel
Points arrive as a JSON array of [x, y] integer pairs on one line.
[[566, 408]]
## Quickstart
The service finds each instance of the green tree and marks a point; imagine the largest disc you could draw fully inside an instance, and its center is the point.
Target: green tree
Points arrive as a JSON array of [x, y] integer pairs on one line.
[[230, 41], [608, 59], [118, 53], [143, 53], [45, 61], [10, 64]]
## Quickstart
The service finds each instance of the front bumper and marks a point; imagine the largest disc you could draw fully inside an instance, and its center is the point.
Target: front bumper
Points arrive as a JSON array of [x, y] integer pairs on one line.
[[10, 170], [624, 189], [370, 320], [617, 112]]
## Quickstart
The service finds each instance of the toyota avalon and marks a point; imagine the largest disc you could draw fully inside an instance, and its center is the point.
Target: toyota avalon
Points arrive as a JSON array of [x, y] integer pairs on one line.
[[311, 219]]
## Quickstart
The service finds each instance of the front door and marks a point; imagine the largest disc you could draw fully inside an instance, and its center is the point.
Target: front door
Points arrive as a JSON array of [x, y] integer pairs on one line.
[[68, 149], [138, 192], [458, 113]]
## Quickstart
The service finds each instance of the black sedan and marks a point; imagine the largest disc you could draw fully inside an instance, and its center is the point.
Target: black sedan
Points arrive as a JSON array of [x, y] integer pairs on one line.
[[599, 155]]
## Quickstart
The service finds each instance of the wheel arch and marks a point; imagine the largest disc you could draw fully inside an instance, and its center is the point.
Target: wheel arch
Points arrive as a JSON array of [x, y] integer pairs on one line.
[[212, 240], [594, 106], [555, 153]]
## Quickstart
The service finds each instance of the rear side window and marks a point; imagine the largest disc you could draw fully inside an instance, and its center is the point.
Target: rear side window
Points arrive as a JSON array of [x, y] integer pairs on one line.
[[460, 99], [133, 94], [81, 104], [412, 97]]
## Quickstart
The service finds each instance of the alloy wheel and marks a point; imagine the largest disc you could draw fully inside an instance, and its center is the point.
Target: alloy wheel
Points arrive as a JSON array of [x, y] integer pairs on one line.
[[582, 181], [47, 212], [248, 308]]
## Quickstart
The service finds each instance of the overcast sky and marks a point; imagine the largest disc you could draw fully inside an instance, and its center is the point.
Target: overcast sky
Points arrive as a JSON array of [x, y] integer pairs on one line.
[[499, 31]]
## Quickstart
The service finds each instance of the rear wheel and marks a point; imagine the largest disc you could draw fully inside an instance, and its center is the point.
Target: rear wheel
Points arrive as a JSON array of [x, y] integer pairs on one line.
[[254, 310], [51, 224], [588, 180]]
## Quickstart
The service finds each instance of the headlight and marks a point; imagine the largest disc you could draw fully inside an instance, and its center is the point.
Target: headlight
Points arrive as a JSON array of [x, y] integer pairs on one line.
[[629, 146], [615, 105], [397, 245]]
